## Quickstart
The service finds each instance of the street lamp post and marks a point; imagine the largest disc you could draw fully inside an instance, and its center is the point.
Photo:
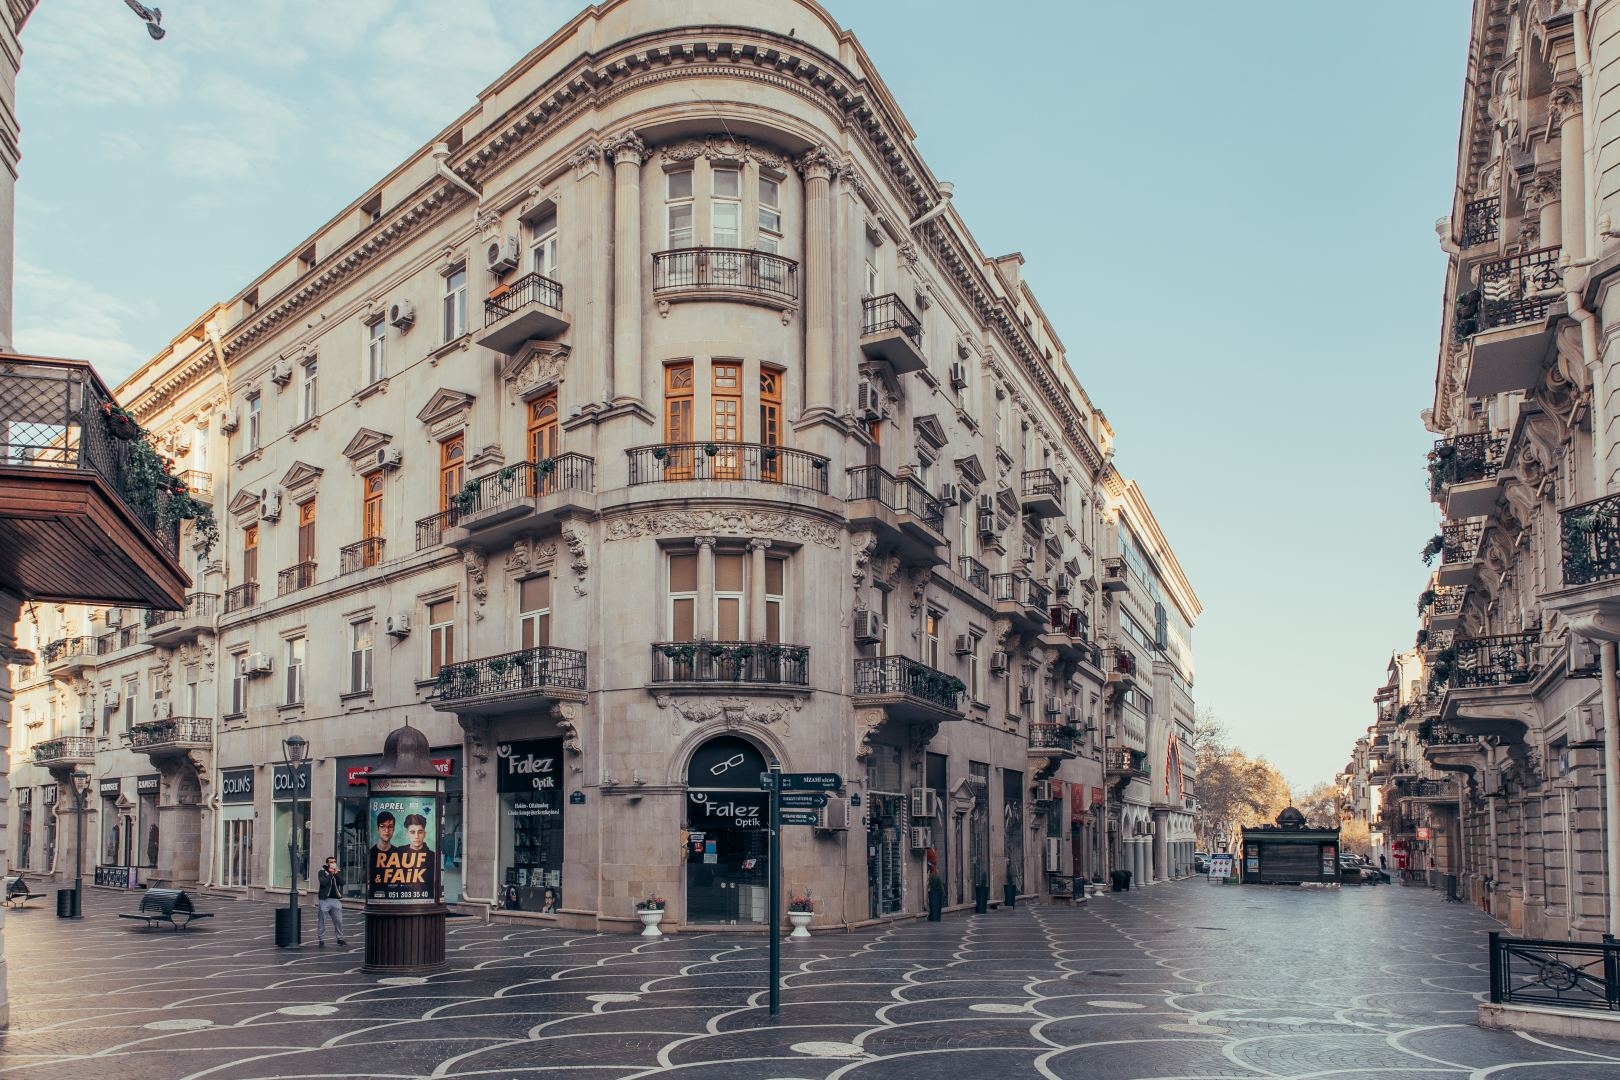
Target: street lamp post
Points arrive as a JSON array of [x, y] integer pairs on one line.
[[81, 790], [293, 750]]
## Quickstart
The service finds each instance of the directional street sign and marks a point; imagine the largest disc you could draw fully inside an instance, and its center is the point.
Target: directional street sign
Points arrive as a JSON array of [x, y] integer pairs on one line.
[[803, 800], [799, 817], [810, 781]]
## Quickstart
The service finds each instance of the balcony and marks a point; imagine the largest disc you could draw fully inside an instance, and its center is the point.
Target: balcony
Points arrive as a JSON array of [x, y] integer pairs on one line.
[[530, 496], [1053, 740], [199, 484], [76, 525], [753, 277], [430, 531], [1443, 606], [1043, 493], [1482, 222], [1501, 660], [353, 558], [511, 682], [757, 463], [1428, 790], [173, 737], [974, 572], [1115, 575], [529, 308], [1119, 666], [1065, 631], [242, 596], [1123, 762], [174, 627], [1462, 473], [1491, 685], [295, 577], [1590, 537], [906, 689], [67, 752], [735, 664], [890, 332], [1459, 550], [899, 511], [1518, 298], [67, 657], [1021, 598]]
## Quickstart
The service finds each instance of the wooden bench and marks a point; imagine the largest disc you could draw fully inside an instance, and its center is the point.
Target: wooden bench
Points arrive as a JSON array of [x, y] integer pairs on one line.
[[17, 894], [167, 905]]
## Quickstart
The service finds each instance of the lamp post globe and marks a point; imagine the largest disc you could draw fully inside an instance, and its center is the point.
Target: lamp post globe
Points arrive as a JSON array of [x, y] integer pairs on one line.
[[294, 749]]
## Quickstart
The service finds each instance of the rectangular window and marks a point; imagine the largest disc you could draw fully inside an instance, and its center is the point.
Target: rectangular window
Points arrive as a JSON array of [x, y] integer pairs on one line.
[[253, 416], [360, 650], [199, 449], [451, 455], [543, 248], [543, 427], [441, 615], [132, 696], [372, 517], [965, 527], [376, 351], [238, 851], [775, 576], [730, 596], [678, 208], [455, 304], [295, 671], [683, 597], [250, 553], [310, 405], [306, 531], [725, 208], [975, 677], [874, 283], [770, 215], [770, 419], [678, 420], [238, 685], [725, 426], [930, 642], [535, 621]]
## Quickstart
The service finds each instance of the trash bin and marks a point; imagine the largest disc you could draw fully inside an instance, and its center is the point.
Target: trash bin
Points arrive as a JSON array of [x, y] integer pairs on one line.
[[287, 928], [1116, 879], [981, 899], [1127, 876], [67, 903]]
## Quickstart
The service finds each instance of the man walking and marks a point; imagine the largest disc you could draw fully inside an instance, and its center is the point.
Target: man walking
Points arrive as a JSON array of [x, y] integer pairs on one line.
[[329, 903]]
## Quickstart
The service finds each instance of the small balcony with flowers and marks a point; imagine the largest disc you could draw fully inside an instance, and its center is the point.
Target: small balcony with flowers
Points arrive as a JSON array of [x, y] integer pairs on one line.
[[900, 511], [1022, 599], [70, 657], [171, 737], [65, 753], [1123, 762], [735, 666], [1446, 748], [1509, 319], [1057, 739], [170, 628], [527, 497], [1441, 607], [1463, 473], [907, 689], [1491, 683], [1589, 535], [520, 681], [528, 309], [1458, 548]]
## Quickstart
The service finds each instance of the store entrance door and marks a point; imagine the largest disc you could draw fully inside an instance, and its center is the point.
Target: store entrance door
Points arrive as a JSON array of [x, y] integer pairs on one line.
[[725, 838]]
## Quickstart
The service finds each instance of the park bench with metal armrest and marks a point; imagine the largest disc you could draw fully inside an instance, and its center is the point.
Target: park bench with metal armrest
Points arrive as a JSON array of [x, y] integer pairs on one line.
[[17, 894], [167, 905]]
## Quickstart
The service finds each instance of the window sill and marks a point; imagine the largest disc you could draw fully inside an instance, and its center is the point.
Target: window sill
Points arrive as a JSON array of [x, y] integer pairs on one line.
[[453, 345], [251, 455], [234, 716], [308, 425], [378, 387], [291, 706], [356, 699]]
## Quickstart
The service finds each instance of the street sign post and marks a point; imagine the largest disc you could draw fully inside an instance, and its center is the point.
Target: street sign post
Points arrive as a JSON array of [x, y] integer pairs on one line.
[[807, 781], [803, 800], [803, 794], [798, 817]]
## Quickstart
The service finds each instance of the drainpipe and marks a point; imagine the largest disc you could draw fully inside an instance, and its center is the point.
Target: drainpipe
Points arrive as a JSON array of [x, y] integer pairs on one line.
[[222, 499], [441, 165], [1611, 783], [1583, 67]]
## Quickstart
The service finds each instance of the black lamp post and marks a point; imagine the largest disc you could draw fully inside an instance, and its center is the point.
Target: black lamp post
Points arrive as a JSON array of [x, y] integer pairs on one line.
[[81, 790], [293, 751]]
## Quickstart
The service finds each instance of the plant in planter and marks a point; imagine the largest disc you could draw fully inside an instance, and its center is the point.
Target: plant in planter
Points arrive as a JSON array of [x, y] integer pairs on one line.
[[802, 903], [1436, 544], [544, 468], [1422, 638], [120, 422], [507, 477], [711, 449], [768, 454], [660, 452], [1579, 560], [651, 912], [465, 500], [652, 903], [499, 666], [1426, 600], [800, 911]]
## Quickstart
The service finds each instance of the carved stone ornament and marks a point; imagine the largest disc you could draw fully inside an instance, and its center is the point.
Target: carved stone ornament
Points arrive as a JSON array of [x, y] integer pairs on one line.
[[868, 722], [476, 564], [819, 163], [528, 553], [862, 545], [722, 148], [538, 366], [575, 538], [625, 148], [737, 521], [566, 714], [488, 221], [731, 711], [585, 159], [446, 412]]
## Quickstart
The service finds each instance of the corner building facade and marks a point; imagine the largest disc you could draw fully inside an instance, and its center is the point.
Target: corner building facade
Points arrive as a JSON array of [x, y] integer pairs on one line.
[[658, 421]]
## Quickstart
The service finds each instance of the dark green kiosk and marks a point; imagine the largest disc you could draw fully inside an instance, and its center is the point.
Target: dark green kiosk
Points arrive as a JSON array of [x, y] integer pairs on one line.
[[1290, 853], [405, 910]]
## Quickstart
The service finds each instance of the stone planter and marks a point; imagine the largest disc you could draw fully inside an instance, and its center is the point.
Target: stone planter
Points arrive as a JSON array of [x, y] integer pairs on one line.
[[801, 923], [650, 918]]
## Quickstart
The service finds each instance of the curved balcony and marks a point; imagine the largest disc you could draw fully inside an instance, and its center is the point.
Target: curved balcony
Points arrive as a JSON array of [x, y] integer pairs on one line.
[[734, 663], [511, 682], [67, 752], [175, 736], [529, 308], [1590, 537], [758, 463], [754, 277], [295, 577]]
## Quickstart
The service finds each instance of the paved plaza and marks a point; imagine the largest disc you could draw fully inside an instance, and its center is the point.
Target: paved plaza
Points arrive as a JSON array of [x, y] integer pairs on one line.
[[1183, 980]]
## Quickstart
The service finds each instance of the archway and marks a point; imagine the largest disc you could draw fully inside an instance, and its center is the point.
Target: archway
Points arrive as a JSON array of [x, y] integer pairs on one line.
[[725, 834]]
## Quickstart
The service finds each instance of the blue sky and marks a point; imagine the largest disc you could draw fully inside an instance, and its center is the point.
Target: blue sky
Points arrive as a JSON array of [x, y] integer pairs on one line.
[[1226, 208]]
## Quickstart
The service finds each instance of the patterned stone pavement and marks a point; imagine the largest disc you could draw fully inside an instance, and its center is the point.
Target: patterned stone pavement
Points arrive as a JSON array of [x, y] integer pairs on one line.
[[1175, 981]]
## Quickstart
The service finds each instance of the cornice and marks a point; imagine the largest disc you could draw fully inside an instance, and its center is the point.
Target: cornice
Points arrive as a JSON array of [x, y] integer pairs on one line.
[[160, 394]]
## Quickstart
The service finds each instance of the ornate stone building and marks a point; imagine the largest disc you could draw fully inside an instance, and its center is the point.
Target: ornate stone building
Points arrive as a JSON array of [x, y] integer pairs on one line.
[[659, 420]]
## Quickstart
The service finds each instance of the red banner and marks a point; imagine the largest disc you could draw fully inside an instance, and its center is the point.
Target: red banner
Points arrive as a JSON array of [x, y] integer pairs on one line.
[[1097, 797], [356, 774], [1077, 801]]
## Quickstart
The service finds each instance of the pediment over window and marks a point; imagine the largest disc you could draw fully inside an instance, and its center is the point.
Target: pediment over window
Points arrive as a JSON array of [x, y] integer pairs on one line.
[[244, 504], [301, 475], [928, 429], [446, 409], [365, 445], [538, 366], [972, 472]]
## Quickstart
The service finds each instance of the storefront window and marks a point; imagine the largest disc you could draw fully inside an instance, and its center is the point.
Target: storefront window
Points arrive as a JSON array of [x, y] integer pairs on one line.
[[284, 785], [236, 833], [1012, 821], [353, 831], [112, 825], [145, 836], [886, 818], [725, 838], [25, 834], [529, 786], [47, 797]]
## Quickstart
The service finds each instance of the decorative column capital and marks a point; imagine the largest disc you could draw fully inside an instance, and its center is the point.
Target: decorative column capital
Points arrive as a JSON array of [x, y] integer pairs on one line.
[[626, 148], [818, 163], [1563, 102], [758, 544], [704, 541]]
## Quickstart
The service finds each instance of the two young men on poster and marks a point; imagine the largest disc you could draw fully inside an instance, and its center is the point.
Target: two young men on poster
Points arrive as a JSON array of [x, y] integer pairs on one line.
[[403, 873]]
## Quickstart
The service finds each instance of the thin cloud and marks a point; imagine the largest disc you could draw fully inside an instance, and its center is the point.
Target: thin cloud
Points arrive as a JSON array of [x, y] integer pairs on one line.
[[60, 315]]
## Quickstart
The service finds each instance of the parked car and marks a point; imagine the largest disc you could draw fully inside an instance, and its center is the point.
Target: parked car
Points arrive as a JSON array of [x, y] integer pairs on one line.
[[1200, 862]]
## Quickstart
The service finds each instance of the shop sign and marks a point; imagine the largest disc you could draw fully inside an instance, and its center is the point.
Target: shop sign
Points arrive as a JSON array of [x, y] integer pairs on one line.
[[1423, 832], [528, 766], [24, 796], [281, 782], [1220, 864], [405, 808], [236, 786], [1077, 801], [49, 794], [355, 775], [110, 789], [1330, 860], [148, 785], [725, 761], [729, 809]]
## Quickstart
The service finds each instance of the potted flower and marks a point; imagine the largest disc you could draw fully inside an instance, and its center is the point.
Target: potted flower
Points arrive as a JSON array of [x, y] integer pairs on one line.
[[1436, 544], [120, 422], [651, 912], [711, 449], [801, 909], [660, 452]]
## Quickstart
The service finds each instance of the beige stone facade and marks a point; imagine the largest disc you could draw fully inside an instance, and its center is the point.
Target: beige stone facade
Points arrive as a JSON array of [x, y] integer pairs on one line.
[[660, 420]]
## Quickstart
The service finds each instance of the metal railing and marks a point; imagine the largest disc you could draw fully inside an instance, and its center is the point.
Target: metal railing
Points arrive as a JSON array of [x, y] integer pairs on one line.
[[65, 748], [758, 462], [1566, 974], [1500, 660], [177, 730], [430, 530], [738, 270], [1018, 589], [1053, 736], [905, 496], [65, 648], [1114, 569], [889, 312], [526, 290], [1464, 460], [974, 572], [1122, 759], [1519, 288], [731, 662], [198, 606], [295, 577], [1448, 601], [360, 555], [1591, 541], [1459, 542], [1426, 788], [197, 482], [58, 414], [241, 596], [538, 670], [903, 675], [1440, 733], [1481, 221], [1040, 483], [525, 480]]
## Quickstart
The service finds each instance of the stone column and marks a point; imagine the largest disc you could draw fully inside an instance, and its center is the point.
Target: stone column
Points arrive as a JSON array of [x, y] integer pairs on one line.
[[1161, 845], [10, 610], [627, 152], [756, 588], [816, 276], [1566, 110], [703, 617]]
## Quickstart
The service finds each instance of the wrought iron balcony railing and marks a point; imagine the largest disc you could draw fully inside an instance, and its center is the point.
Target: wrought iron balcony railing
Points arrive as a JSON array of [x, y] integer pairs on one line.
[[241, 596], [1460, 541], [1042, 483], [1481, 221], [526, 290], [1119, 661], [766, 662], [1500, 660], [524, 480], [904, 496], [1439, 733], [1120, 760], [1446, 603], [430, 530], [1591, 541], [1425, 788], [889, 312], [1519, 288], [177, 731], [57, 414], [757, 462], [360, 555], [65, 748], [536, 670], [198, 606], [726, 270], [903, 675], [974, 572], [1018, 589], [1464, 460], [295, 577], [67, 648], [1053, 736]]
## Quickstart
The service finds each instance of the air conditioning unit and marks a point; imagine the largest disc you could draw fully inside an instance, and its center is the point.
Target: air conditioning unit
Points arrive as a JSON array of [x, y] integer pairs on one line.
[[389, 458], [998, 662], [1054, 706], [924, 804], [401, 314], [1029, 554], [162, 710], [1063, 584], [868, 626], [87, 721], [111, 699], [1026, 695], [228, 420], [958, 376], [1048, 790], [868, 401], [964, 644], [254, 663], [921, 838], [281, 373], [987, 504], [1582, 658], [835, 815], [270, 504], [114, 617], [502, 256], [987, 523], [398, 625], [948, 493]]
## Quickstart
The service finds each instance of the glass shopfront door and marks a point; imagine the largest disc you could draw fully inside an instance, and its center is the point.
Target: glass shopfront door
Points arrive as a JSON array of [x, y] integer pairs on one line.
[[725, 839]]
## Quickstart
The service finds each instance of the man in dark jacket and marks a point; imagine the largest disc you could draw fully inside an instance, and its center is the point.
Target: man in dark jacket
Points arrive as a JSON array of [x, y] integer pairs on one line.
[[329, 902]]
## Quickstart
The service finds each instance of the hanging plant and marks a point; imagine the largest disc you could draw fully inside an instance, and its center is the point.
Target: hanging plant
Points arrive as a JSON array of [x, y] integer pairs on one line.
[[499, 665], [768, 454], [1436, 544], [1422, 638], [1426, 600], [711, 449], [506, 477], [120, 422], [681, 654], [544, 468], [818, 463], [660, 452]]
